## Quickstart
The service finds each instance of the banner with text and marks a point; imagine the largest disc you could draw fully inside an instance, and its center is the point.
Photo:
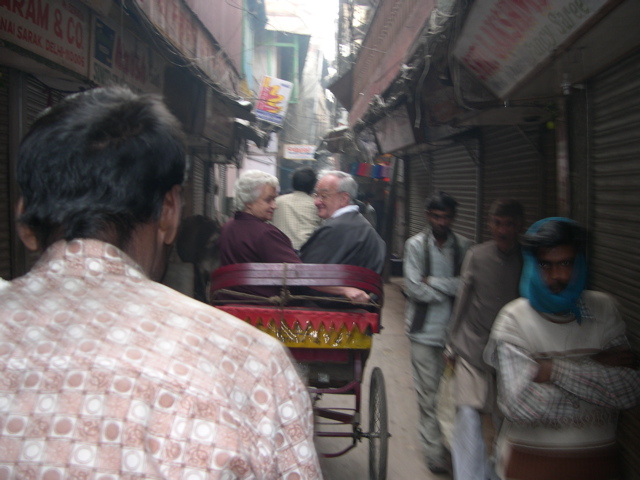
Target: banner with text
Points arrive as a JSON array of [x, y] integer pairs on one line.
[[57, 30], [503, 41], [273, 100], [121, 57], [299, 152]]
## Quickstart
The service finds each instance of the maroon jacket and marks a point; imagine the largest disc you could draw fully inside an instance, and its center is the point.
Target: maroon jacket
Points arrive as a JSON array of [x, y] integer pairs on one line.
[[246, 239]]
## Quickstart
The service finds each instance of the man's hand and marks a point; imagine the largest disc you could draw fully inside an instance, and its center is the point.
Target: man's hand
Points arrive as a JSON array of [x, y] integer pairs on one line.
[[356, 295], [544, 371], [620, 356], [449, 357]]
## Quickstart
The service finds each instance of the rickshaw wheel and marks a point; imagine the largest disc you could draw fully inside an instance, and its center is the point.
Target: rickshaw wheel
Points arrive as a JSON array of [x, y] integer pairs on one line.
[[378, 427]]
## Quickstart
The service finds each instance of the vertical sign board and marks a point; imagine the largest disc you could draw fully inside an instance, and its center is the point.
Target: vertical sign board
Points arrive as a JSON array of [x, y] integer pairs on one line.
[[118, 56], [503, 41], [57, 30], [273, 99]]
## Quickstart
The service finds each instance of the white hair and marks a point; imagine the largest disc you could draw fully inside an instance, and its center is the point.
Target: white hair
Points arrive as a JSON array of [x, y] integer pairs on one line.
[[346, 183], [249, 187]]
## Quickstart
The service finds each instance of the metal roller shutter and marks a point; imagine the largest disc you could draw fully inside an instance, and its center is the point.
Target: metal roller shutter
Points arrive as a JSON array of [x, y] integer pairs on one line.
[[455, 172], [225, 202], [513, 168], [210, 211], [198, 186], [5, 179], [39, 97], [417, 182], [615, 225]]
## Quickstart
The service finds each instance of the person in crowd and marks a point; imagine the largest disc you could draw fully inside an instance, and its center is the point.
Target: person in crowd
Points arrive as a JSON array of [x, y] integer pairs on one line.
[[196, 248], [296, 215], [249, 238], [431, 268], [563, 363], [345, 237], [107, 373], [489, 279], [366, 209]]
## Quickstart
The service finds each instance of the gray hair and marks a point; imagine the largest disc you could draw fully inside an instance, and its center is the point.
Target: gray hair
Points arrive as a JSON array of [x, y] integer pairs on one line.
[[346, 183], [249, 187]]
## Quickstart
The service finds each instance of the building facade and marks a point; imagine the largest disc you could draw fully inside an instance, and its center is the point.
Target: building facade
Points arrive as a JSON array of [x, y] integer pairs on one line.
[[185, 51]]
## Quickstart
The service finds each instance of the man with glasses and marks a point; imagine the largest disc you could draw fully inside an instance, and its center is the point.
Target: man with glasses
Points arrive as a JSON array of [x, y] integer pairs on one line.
[[345, 236], [432, 261]]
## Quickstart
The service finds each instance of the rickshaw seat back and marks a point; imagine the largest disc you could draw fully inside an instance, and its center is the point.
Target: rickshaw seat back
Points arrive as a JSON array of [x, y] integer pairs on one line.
[[297, 274], [305, 327]]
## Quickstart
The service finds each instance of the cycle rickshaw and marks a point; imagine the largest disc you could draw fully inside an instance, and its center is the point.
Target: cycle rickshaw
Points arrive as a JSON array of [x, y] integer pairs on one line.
[[328, 338]]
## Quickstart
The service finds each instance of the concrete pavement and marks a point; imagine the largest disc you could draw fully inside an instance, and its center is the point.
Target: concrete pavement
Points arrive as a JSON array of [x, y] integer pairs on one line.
[[390, 352]]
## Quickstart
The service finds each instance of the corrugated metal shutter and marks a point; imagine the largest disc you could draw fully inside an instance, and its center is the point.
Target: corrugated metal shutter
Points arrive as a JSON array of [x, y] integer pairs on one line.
[[513, 168], [198, 186], [615, 226], [211, 191], [39, 97], [5, 178], [455, 172], [225, 202], [417, 182]]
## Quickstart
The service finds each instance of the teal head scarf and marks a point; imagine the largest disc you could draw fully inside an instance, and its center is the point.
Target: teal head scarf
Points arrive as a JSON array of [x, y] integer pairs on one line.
[[534, 288]]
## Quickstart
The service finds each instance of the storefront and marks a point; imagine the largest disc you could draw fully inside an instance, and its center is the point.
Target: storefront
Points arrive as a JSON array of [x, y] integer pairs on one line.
[[60, 47]]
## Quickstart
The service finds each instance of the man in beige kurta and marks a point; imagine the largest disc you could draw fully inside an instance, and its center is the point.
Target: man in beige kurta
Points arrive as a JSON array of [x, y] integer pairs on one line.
[[297, 215], [489, 280]]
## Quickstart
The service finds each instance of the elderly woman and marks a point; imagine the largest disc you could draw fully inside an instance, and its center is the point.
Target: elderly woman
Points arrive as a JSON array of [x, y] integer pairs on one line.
[[247, 237]]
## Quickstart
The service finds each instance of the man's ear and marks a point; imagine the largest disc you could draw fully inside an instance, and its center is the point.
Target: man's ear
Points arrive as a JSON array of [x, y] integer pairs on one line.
[[25, 233], [171, 213]]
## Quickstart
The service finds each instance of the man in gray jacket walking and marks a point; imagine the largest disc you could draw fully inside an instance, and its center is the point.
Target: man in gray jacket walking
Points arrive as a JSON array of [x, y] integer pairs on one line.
[[432, 261]]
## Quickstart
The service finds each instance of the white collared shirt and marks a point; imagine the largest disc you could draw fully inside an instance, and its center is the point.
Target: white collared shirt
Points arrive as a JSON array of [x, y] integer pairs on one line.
[[343, 210]]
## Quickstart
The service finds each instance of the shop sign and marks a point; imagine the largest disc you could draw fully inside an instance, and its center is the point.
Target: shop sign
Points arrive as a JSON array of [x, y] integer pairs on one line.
[[57, 30], [299, 152], [182, 29], [121, 57], [395, 131], [273, 100], [503, 41]]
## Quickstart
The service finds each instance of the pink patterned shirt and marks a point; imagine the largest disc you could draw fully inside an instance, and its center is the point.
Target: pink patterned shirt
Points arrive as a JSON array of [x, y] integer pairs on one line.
[[107, 375]]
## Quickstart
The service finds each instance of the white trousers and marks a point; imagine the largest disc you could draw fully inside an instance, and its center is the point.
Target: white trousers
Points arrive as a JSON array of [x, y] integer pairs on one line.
[[469, 452], [427, 365]]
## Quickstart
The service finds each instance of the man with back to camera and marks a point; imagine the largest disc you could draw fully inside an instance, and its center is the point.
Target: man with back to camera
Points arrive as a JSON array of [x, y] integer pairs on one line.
[[107, 373], [345, 237], [489, 279], [296, 215], [564, 365], [431, 267]]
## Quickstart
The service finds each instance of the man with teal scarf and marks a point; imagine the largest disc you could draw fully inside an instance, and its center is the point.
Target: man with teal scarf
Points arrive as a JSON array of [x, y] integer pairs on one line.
[[564, 365]]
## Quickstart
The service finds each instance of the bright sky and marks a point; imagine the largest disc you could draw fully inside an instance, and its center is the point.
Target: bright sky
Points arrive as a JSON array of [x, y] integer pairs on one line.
[[324, 28], [316, 17]]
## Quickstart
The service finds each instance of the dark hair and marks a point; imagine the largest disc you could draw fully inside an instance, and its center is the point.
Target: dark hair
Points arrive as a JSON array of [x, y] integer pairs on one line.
[[506, 207], [442, 201], [99, 161], [304, 179], [554, 233]]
